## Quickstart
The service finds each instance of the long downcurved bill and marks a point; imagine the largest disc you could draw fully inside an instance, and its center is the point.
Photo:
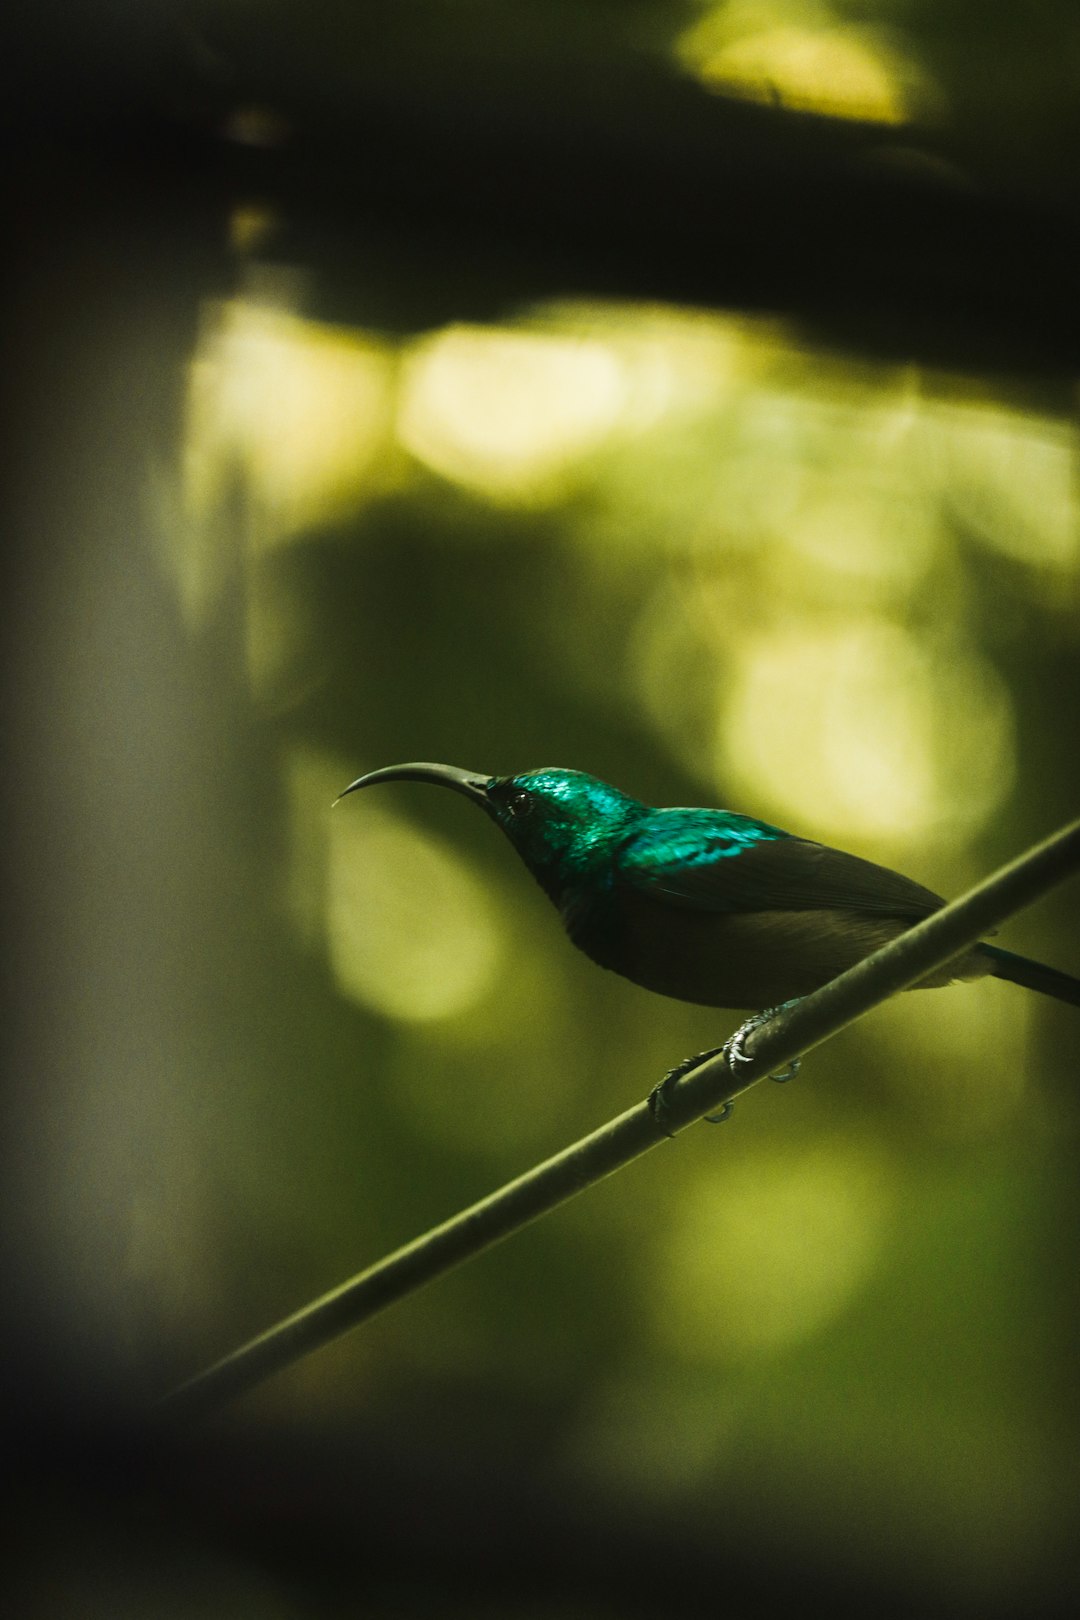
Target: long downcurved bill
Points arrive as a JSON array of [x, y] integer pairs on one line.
[[468, 782]]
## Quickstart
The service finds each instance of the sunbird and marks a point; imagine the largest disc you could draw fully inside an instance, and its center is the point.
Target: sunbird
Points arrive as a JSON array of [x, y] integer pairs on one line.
[[706, 905]]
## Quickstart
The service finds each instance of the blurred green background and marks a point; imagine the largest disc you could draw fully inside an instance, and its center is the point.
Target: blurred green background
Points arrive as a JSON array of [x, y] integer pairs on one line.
[[678, 392]]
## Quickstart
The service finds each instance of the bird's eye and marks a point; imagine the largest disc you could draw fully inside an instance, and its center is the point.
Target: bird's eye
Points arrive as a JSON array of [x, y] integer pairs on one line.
[[519, 803]]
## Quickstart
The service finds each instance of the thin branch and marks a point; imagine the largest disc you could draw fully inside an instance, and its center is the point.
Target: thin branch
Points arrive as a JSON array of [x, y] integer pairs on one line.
[[899, 964]]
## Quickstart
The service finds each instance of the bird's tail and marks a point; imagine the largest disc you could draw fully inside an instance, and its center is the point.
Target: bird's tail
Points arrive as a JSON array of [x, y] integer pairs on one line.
[[1033, 975]]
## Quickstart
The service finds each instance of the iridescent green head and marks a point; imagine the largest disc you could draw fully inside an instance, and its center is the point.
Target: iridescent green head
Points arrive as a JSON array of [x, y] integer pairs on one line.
[[563, 824]]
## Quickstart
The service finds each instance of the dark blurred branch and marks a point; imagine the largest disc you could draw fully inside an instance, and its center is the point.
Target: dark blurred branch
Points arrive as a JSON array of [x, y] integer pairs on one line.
[[422, 186], [811, 1021], [865, 235]]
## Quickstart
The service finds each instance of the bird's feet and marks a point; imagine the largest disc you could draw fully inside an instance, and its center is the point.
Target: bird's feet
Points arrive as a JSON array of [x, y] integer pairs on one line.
[[660, 1095], [733, 1046]]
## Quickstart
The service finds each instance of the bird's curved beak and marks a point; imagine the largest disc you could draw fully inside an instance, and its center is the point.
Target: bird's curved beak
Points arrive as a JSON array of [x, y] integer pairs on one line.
[[473, 786]]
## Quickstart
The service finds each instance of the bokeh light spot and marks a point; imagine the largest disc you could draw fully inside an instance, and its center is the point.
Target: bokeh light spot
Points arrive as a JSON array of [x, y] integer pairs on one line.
[[866, 729], [1013, 483], [506, 413], [292, 413], [758, 1258], [411, 932], [801, 58], [856, 540]]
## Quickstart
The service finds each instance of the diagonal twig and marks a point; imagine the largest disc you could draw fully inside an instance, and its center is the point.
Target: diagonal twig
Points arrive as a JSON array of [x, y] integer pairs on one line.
[[794, 1031]]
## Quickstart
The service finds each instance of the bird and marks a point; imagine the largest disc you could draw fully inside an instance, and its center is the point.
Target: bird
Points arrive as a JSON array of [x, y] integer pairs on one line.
[[707, 905]]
